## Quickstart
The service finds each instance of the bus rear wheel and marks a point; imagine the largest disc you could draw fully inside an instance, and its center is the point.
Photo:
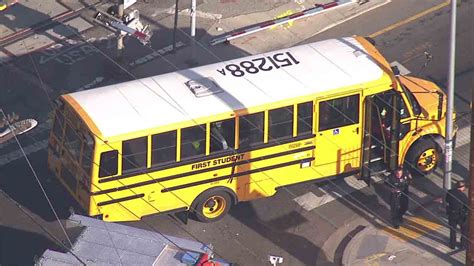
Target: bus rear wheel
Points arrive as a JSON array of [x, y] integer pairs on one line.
[[212, 206], [423, 158]]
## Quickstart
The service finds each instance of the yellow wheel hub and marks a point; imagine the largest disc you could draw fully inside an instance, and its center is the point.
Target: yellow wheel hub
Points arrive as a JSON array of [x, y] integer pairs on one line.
[[214, 207], [428, 159]]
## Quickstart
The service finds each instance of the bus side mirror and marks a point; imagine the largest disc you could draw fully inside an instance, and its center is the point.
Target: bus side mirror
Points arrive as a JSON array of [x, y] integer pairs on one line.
[[440, 105], [58, 103], [370, 40]]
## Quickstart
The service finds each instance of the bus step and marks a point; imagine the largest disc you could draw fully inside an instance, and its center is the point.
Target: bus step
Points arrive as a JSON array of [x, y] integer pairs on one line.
[[378, 167], [376, 159], [379, 172], [373, 147]]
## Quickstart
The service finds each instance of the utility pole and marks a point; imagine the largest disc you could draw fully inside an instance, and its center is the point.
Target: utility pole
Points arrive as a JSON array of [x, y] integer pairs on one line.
[[470, 221], [449, 108], [120, 13]]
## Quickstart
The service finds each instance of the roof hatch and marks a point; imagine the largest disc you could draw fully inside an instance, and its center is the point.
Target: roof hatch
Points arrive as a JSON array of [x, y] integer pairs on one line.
[[203, 87]]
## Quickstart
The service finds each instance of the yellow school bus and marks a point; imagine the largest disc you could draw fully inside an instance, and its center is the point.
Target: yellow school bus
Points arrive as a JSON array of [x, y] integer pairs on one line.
[[4, 4], [203, 139]]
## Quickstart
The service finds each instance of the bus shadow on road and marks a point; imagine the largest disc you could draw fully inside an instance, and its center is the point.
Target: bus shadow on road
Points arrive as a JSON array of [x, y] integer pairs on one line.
[[18, 247], [275, 231]]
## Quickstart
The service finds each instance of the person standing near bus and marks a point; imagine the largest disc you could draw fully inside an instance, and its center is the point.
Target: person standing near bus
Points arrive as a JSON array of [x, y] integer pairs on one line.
[[456, 208], [398, 182]]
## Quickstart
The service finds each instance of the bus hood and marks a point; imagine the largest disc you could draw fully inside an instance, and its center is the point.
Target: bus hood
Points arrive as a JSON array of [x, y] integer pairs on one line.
[[427, 94]]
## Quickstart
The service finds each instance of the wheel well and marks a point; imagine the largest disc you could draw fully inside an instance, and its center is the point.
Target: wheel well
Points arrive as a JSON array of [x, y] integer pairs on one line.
[[227, 190], [436, 138]]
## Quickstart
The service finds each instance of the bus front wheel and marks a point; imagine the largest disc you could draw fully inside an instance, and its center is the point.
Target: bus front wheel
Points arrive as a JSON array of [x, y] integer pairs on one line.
[[423, 158], [212, 205]]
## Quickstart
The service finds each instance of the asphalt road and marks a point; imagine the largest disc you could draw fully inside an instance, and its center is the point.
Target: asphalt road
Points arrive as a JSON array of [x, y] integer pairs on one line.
[[253, 230]]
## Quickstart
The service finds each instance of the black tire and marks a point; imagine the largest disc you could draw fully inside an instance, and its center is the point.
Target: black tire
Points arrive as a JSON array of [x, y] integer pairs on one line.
[[206, 214], [423, 148]]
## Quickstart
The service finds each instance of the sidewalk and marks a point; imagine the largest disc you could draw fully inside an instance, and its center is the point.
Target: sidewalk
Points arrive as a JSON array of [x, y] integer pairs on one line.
[[33, 25], [423, 238]]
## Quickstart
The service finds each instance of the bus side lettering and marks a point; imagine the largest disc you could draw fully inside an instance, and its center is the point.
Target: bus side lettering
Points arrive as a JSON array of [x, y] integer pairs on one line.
[[228, 159], [200, 165]]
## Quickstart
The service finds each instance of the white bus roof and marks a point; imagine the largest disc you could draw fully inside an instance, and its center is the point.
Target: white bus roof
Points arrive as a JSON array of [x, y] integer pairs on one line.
[[165, 99]]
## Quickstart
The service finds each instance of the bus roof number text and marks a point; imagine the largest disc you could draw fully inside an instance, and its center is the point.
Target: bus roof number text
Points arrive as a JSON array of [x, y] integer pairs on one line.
[[256, 65]]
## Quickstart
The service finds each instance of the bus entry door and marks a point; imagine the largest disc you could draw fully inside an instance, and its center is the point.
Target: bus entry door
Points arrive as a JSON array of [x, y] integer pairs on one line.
[[339, 135]]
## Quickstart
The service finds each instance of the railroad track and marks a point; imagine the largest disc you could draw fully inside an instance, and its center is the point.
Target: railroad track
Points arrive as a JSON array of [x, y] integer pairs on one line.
[[44, 25]]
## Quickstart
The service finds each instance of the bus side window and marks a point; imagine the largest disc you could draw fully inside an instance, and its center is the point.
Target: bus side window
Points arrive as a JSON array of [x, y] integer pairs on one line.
[[339, 112], [72, 143], [87, 153], [305, 118], [250, 130], [280, 123], [134, 154], [108, 163], [193, 141], [163, 148], [222, 135], [58, 125]]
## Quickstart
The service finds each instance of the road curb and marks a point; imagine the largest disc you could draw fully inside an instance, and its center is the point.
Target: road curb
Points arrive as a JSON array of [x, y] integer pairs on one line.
[[355, 241], [348, 257]]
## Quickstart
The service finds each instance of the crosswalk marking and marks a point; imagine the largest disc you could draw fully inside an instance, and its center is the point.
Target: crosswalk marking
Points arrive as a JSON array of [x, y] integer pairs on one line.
[[309, 201], [18, 154], [332, 191]]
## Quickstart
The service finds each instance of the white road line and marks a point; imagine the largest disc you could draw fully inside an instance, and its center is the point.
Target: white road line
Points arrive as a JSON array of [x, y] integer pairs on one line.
[[15, 155], [158, 53], [200, 14], [351, 17], [186, 12], [333, 190], [94, 83]]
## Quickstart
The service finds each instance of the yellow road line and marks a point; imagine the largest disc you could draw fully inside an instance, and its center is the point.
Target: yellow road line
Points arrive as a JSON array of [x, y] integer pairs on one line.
[[410, 19], [414, 228], [425, 223]]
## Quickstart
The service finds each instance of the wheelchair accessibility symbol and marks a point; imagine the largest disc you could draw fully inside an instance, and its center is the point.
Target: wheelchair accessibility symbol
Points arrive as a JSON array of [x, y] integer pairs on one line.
[[335, 131]]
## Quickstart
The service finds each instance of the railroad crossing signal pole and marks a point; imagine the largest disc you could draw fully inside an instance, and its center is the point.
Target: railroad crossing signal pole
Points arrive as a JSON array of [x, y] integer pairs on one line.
[[120, 46], [193, 60], [449, 109]]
